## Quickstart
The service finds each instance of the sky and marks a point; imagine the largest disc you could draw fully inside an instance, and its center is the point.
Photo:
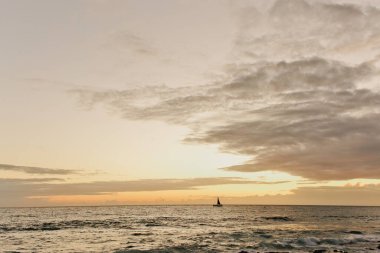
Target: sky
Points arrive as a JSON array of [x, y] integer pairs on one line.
[[178, 102]]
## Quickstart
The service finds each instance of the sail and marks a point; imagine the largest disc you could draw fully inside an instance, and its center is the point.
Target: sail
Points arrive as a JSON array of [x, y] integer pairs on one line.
[[218, 203]]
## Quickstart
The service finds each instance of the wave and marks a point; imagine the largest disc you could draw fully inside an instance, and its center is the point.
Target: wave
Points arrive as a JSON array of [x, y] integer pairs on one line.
[[278, 218], [65, 225], [185, 248]]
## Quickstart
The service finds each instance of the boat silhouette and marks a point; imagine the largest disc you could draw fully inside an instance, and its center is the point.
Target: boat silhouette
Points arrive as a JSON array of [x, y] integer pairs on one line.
[[218, 204]]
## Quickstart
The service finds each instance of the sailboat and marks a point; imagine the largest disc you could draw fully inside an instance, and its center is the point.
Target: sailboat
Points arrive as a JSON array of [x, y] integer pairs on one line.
[[218, 203]]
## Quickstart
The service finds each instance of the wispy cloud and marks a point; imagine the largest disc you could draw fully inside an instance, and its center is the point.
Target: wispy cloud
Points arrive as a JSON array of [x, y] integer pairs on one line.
[[36, 170], [127, 42], [29, 180]]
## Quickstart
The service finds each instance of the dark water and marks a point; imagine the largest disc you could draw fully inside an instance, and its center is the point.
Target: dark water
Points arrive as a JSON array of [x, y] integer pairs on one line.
[[190, 229]]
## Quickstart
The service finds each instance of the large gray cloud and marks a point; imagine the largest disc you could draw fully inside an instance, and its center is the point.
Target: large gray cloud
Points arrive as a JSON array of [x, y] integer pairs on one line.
[[305, 117], [291, 107]]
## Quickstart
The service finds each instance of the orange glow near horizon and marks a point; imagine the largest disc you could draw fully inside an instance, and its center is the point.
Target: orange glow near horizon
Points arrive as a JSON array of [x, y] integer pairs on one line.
[[161, 197]]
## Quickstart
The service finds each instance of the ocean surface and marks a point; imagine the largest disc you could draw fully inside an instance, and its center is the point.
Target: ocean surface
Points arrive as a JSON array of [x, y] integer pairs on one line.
[[190, 229]]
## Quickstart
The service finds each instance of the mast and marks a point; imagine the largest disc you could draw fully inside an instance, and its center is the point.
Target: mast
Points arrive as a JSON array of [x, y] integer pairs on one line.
[[218, 201]]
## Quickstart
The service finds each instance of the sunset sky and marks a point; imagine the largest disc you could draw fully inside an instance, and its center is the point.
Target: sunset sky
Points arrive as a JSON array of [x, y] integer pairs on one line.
[[178, 102]]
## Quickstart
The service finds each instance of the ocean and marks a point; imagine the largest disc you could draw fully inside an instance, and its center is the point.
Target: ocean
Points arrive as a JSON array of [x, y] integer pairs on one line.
[[232, 228]]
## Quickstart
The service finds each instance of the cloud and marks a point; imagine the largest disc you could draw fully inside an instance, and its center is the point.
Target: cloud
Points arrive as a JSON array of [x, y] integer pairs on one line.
[[13, 191], [16, 191], [127, 42], [297, 28], [135, 186], [36, 170], [29, 180], [304, 104], [306, 117], [25, 193], [366, 195]]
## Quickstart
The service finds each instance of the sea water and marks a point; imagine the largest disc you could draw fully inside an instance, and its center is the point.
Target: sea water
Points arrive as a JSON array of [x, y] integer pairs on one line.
[[190, 229]]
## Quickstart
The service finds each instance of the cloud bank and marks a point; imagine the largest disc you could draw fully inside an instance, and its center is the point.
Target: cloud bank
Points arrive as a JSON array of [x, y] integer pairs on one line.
[[364, 195], [301, 98], [39, 191], [15, 191], [32, 187]]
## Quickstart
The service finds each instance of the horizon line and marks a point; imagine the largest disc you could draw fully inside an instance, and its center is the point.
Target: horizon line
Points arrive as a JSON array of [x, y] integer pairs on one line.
[[67, 206]]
